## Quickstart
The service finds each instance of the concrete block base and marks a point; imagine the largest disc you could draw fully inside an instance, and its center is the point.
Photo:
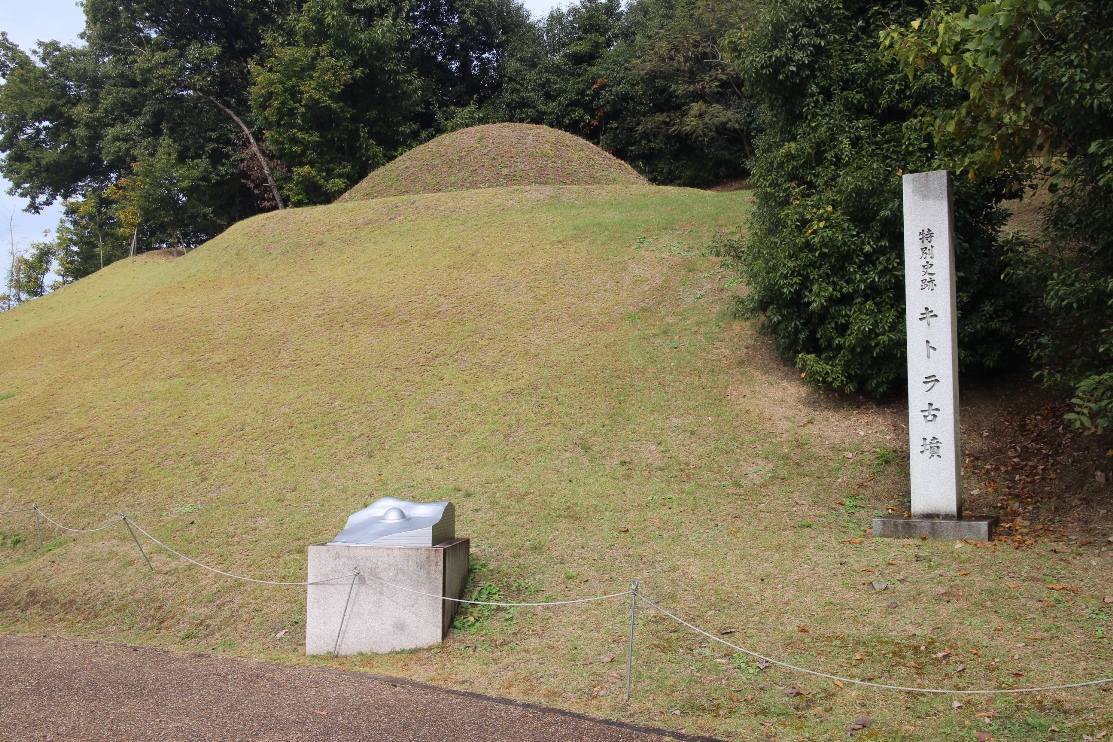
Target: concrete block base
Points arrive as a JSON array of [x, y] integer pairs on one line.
[[368, 614], [971, 529]]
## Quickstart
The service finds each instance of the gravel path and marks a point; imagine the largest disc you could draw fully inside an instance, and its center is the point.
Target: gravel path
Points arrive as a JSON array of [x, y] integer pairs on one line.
[[62, 689]]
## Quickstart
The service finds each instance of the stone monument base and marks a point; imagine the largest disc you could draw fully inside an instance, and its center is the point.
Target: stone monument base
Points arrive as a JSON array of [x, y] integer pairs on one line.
[[368, 615], [971, 529]]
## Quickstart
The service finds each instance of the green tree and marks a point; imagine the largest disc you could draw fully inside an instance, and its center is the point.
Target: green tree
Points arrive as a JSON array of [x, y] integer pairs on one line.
[[556, 74], [675, 108], [75, 120], [333, 95], [823, 261], [1037, 104]]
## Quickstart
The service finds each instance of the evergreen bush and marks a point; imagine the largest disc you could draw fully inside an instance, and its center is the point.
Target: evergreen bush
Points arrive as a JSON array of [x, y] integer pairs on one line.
[[824, 257]]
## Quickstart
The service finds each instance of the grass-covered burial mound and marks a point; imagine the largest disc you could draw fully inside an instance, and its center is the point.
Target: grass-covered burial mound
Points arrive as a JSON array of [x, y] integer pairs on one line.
[[492, 156]]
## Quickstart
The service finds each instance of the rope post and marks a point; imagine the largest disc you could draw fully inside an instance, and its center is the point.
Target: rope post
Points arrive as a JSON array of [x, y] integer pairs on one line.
[[38, 524], [630, 648], [135, 538], [343, 615]]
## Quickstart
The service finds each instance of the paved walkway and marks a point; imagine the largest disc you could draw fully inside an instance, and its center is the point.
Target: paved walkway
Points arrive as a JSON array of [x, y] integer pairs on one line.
[[62, 689]]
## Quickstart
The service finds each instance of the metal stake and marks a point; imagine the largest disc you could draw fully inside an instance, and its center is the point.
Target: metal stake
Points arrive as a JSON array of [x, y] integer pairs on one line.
[[38, 526], [343, 615], [630, 649], [136, 539]]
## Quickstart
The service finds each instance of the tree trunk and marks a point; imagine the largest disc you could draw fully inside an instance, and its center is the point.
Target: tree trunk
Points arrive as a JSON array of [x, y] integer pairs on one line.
[[254, 147]]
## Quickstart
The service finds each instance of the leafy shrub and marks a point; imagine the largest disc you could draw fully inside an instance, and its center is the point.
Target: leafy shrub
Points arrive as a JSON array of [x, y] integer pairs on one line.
[[824, 259], [1037, 84]]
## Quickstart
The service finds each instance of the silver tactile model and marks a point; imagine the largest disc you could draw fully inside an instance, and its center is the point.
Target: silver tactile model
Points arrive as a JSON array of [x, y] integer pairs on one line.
[[392, 522]]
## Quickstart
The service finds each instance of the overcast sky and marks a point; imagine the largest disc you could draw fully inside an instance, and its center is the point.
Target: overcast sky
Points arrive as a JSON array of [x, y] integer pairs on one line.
[[28, 21]]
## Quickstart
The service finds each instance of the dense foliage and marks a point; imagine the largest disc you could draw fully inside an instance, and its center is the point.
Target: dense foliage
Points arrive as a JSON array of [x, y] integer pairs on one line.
[[824, 259], [647, 83], [1038, 82]]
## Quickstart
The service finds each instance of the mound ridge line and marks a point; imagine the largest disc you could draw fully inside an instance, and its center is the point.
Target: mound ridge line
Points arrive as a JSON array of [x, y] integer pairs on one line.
[[492, 156]]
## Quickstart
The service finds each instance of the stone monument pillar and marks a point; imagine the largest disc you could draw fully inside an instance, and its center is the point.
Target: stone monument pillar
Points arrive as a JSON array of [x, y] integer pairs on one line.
[[931, 320]]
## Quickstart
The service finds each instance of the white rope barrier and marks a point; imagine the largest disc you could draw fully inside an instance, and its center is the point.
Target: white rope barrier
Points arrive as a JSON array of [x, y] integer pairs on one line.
[[177, 553], [631, 592], [47, 518], [496, 603], [852, 681]]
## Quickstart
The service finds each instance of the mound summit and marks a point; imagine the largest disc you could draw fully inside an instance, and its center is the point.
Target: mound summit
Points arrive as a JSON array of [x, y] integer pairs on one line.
[[492, 156]]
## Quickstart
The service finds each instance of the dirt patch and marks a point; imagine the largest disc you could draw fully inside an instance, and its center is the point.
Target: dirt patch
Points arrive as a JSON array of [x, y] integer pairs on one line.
[[741, 184], [1024, 463], [1027, 216], [167, 253], [494, 156]]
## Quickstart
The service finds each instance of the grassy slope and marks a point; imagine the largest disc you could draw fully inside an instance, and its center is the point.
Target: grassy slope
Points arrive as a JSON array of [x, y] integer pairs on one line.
[[559, 363], [494, 156]]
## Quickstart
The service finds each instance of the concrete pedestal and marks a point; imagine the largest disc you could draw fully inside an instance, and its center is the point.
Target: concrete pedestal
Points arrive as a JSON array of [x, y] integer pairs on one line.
[[378, 617], [953, 529]]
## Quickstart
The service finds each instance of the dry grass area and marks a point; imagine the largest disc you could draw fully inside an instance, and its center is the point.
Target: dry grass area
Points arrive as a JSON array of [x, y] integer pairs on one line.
[[560, 362], [494, 156]]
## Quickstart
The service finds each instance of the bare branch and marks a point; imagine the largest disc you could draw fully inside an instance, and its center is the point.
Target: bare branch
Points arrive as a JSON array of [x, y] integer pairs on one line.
[[251, 140]]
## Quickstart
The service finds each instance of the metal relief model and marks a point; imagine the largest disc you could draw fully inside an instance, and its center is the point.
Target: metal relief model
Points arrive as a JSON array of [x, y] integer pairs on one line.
[[392, 522], [381, 584]]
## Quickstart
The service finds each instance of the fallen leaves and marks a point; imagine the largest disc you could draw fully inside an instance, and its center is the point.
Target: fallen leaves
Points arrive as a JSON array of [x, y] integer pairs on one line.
[[838, 683], [862, 722], [879, 585], [852, 541], [983, 736], [1057, 588]]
